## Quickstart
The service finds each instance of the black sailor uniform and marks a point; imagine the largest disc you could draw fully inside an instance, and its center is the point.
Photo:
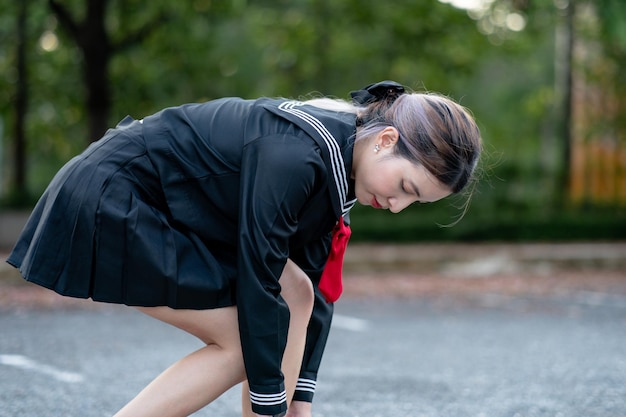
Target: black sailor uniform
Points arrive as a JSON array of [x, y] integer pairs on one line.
[[199, 206]]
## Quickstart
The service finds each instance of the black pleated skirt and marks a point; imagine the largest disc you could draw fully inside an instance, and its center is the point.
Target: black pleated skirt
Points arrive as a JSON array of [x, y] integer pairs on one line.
[[102, 230]]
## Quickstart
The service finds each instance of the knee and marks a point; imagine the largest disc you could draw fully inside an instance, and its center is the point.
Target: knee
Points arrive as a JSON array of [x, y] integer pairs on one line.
[[306, 296], [297, 288], [232, 359], [237, 365]]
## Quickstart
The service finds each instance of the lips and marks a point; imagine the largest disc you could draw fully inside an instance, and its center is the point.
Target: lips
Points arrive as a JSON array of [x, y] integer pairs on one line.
[[375, 203]]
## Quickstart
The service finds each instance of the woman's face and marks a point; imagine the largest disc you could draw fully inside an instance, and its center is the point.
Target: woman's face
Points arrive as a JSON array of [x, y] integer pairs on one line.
[[385, 181]]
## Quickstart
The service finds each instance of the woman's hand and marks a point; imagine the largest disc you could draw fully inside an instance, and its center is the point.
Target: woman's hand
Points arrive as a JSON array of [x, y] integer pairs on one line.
[[265, 415], [296, 409], [299, 409]]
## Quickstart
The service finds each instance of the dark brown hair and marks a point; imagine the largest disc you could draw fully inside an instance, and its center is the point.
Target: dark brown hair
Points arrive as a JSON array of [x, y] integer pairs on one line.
[[435, 132]]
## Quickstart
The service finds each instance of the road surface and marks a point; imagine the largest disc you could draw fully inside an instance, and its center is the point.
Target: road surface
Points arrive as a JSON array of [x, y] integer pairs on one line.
[[477, 355]]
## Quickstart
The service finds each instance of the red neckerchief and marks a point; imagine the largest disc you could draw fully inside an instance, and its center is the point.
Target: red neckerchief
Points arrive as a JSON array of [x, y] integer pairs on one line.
[[330, 283]]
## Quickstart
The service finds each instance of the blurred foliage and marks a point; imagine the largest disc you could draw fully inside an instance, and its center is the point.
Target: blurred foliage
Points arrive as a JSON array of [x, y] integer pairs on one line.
[[206, 49]]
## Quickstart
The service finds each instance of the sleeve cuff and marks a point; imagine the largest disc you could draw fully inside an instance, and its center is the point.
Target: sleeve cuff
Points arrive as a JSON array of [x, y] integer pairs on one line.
[[305, 389], [268, 403]]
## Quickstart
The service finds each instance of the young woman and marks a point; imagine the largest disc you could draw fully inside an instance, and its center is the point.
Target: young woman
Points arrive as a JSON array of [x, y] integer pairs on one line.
[[217, 218]]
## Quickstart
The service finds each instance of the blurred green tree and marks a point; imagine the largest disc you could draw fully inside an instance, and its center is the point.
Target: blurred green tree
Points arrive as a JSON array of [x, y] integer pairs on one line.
[[18, 191], [499, 61], [136, 57], [97, 48]]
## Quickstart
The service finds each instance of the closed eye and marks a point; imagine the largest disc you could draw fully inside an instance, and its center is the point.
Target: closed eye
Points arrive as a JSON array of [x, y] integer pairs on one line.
[[410, 189]]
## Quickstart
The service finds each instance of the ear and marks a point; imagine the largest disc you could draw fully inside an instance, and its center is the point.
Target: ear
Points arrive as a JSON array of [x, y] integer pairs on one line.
[[388, 137]]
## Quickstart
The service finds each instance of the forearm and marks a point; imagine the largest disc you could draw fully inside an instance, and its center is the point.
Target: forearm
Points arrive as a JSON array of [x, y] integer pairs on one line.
[[317, 336]]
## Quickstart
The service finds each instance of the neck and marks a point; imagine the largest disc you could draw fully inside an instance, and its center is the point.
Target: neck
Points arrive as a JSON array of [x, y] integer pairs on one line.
[[357, 152]]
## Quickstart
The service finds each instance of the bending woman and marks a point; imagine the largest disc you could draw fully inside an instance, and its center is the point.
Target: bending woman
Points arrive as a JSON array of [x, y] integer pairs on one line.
[[228, 219]]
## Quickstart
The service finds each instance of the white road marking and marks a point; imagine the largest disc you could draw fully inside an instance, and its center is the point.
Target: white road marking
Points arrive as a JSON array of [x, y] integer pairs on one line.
[[349, 323], [599, 299], [23, 362]]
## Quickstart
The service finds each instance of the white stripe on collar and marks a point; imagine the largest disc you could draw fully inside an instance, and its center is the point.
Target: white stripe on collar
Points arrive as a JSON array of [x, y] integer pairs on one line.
[[337, 163]]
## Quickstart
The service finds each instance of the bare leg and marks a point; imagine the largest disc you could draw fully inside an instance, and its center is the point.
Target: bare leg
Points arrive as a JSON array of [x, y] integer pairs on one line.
[[200, 377], [297, 290], [204, 375]]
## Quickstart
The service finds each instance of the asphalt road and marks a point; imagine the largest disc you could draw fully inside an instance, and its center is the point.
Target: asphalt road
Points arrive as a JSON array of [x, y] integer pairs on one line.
[[479, 356]]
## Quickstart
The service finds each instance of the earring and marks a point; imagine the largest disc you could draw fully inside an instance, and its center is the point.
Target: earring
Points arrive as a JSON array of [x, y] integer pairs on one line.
[[377, 148]]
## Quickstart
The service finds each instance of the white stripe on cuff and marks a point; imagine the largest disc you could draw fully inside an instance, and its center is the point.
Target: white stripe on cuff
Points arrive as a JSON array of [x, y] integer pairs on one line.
[[306, 385], [268, 399]]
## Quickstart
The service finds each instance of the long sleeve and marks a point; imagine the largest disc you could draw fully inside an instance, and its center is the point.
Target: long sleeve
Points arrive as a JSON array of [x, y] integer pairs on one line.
[[312, 259], [277, 178], [317, 336]]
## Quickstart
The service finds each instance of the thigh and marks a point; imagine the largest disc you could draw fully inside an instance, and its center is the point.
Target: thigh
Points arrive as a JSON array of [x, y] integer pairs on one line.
[[217, 326], [220, 325]]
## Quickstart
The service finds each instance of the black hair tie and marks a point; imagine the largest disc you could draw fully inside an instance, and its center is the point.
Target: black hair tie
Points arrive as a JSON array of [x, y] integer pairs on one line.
[[384, 90]]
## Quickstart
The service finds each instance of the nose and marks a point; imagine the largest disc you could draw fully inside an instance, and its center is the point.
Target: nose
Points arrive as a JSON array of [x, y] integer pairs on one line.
[[396, 205]]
